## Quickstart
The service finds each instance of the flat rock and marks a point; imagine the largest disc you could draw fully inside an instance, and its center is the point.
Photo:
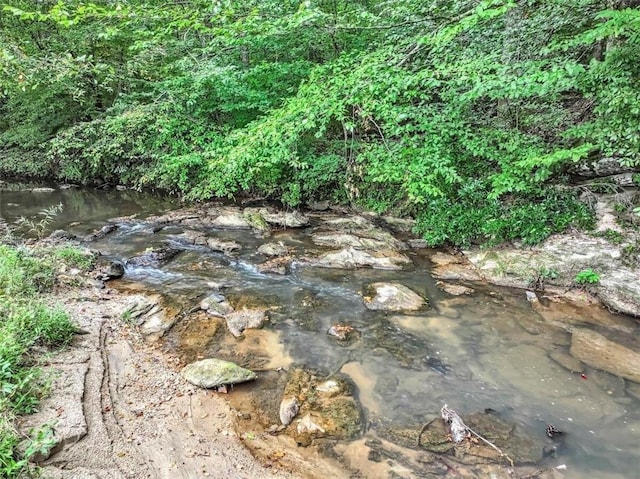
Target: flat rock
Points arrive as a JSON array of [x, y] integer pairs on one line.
[[231, 220], [598, 352], [193, 237], [273, 249], [353, 258], [211, 373], [567, 254], [371, 240], [393, 297], [223, 246], [240, 320], [452, 267], [285, 219]]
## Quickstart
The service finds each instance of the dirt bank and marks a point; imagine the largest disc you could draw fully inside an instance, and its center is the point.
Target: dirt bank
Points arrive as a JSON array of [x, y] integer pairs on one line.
[[118, 409]]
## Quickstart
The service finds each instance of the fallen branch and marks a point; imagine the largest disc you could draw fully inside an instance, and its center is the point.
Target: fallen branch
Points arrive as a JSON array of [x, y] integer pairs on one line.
[[459, 431]]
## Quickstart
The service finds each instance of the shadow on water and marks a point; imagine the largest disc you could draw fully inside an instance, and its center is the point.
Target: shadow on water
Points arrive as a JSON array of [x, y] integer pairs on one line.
[[487, 350]]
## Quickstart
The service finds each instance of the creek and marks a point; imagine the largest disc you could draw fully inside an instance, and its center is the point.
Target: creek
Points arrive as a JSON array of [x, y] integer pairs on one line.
[[486, 350]]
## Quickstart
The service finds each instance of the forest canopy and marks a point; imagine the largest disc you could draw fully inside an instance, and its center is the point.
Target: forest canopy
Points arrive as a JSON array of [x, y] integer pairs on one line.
[[466, 115]]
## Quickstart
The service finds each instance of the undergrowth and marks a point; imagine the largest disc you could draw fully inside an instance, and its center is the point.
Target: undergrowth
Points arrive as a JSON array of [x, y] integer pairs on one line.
[[28, 329]]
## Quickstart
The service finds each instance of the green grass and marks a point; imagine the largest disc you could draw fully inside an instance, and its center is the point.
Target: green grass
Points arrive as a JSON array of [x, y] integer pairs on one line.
[[27, 328], [75, 257]]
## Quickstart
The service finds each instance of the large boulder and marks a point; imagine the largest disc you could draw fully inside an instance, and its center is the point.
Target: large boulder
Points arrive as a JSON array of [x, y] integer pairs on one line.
[[212, 373], [392, 297], [598, 352]]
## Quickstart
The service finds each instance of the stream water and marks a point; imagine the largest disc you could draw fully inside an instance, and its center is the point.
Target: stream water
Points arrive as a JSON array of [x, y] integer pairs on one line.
[[486, 350]]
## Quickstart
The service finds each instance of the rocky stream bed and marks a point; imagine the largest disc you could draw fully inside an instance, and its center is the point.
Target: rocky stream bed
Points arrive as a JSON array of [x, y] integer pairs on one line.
[[337, 338]]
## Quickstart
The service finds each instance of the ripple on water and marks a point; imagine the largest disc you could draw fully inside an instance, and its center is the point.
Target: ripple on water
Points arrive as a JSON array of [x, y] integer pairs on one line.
[[496, 346]]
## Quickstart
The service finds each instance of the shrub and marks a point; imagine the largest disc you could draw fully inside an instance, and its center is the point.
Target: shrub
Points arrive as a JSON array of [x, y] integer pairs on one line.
[[587, 276]]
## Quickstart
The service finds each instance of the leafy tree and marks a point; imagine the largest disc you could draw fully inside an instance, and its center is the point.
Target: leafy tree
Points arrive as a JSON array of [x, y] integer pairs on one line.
[[470, 110]]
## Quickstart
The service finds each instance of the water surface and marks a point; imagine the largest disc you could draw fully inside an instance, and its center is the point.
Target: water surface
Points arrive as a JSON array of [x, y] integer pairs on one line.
[[487, 350]]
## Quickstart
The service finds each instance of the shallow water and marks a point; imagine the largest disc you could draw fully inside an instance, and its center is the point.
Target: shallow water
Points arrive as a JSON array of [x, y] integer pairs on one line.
[[488, 350]]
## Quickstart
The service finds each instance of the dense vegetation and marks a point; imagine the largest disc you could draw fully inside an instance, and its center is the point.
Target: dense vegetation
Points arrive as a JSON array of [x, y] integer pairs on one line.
[[464, 114], [28, 329]]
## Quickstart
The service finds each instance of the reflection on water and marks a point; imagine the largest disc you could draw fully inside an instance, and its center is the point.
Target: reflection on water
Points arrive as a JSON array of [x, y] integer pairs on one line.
[[488, 350]]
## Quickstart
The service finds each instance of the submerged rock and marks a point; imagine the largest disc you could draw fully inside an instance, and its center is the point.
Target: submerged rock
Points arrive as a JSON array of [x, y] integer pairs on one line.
[[598, 352], [393, 297], [342, 332], [327, 407], [279, 265], [211, 373], [434, 437], [454, 289], [216, 304]]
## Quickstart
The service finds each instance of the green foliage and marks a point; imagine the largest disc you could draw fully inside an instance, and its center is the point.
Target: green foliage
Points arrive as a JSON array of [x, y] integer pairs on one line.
[[75, 257], [587, 276], [22, 274], [39, 227], [396, 106], [24, 324], [612, 236], [471, 218]]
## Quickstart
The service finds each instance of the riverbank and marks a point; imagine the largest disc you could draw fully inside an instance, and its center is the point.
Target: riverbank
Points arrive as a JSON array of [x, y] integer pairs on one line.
[[118, 409]]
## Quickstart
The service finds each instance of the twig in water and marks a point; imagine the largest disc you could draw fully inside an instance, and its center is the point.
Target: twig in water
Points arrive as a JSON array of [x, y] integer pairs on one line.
[[459, 431]]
